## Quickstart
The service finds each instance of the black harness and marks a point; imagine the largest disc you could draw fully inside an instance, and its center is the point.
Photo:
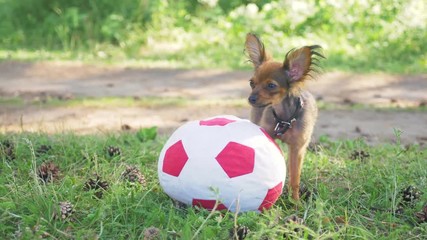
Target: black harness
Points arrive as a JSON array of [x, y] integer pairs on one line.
[[283, 125]]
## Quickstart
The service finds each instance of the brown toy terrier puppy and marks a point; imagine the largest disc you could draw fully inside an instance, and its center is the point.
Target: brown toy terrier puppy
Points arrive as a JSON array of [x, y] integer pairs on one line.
[[280, 105]]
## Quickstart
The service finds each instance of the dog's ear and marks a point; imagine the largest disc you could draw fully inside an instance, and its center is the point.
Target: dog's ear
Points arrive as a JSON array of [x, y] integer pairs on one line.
[[301, 62], [255, 49]]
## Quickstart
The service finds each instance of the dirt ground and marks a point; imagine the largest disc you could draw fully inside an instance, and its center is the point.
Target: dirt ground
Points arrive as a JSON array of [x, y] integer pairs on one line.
[[69, 80]]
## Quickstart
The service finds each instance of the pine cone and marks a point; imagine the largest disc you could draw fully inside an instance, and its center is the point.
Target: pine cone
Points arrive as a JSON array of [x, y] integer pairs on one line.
[[293, 219], [7, 148], [113, 151], [307, 194], [241, 232], [48, 172], [96, 184], [151, 233], [361, 155], [133, 175], [399, 209], [410, 195], [314, 147], [304, 192], [67, 209], [179, 205], [126, 127], [43, 149], [422, 215]]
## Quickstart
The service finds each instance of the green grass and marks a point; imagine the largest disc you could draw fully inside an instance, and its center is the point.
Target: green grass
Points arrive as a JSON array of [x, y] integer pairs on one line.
[[368, 36], [355, 198], [11, 101]]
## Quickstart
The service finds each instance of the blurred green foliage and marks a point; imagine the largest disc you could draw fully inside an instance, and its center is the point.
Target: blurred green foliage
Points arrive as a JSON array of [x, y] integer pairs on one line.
[[368, 35]]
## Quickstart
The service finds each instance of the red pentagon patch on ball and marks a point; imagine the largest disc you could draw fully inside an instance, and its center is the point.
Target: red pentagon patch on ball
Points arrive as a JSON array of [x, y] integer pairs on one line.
[[175, 159], [271, 197], [216, 122], [236, 159], [208, 204]]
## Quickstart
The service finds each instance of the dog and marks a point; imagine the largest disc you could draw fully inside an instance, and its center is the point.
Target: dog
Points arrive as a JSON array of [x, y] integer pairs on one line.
[[279, 103]]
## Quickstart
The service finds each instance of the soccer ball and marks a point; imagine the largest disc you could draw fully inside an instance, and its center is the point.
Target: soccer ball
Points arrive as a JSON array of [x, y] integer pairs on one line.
[[224, 162]]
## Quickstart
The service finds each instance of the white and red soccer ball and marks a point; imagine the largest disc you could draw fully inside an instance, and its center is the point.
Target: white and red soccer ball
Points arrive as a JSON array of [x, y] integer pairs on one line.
[[223, 160]]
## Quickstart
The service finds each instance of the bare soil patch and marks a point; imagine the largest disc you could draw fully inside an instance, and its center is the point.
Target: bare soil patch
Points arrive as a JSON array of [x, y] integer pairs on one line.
[[70, 80]]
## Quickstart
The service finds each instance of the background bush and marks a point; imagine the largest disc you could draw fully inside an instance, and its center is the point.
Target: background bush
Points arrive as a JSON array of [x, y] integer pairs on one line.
[[367, 35]]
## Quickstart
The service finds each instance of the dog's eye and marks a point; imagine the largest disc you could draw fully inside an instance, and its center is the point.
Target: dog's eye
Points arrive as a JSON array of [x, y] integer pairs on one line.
[[271, 86], [252, 84]]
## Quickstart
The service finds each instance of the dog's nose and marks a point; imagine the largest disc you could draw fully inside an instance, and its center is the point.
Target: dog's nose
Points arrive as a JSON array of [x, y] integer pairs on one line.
[[252, 99]]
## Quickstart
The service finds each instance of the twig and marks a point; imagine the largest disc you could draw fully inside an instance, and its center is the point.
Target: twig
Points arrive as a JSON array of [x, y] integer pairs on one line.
[[206, 220], [235, 236]]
